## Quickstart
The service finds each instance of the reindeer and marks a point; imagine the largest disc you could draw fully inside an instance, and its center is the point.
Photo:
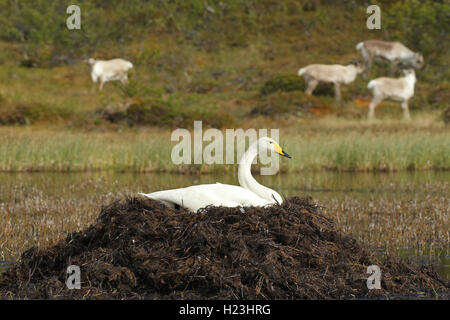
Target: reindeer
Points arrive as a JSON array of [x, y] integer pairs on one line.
[[395, 52], [110, 70], [334, 73], [401, 89]]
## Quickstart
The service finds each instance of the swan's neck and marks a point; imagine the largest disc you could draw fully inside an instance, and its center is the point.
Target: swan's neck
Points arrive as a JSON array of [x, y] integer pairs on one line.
[[247, 181]]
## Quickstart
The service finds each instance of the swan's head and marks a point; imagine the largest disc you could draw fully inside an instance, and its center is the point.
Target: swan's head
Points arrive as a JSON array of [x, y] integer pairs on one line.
[[266, 143]]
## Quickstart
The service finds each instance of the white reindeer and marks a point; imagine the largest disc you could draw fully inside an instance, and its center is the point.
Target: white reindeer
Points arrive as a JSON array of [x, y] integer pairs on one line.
[[395, 52], [334, 73], [401, 89], [109, 70]]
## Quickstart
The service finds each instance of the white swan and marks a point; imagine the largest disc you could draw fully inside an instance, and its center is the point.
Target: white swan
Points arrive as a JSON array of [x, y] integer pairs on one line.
[[250, 193]]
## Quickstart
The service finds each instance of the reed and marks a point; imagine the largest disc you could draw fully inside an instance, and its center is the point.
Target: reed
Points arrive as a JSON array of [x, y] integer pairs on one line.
[[149, 150]]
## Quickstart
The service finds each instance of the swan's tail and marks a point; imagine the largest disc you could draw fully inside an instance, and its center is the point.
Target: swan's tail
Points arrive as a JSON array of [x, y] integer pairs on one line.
[[147, 195], [152, 196]]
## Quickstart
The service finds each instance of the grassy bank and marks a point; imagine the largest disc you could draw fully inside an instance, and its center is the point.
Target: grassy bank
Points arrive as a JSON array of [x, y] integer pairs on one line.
[[314, 145]]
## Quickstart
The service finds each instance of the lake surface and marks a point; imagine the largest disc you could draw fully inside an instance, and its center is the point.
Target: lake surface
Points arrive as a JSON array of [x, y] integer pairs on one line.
[[359, 198]]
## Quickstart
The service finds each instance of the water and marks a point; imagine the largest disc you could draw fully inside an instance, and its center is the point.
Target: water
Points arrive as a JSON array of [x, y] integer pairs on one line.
[[321, 185], [329, 189]]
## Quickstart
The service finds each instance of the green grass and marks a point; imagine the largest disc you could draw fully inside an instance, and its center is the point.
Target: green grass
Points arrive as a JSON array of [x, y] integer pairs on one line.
[[38, 150], [340, 148], [371, 152]]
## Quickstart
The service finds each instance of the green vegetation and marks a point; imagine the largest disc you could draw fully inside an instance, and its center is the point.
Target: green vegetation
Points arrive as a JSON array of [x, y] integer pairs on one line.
[[424, 25], [39, 25], [158, 112], [286, 83], [446, 116], [314, 146], [368, 152], [231, 64], [29, 113]]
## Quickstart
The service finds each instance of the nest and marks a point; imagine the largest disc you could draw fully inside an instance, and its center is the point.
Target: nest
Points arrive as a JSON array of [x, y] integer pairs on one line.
[[141, 249]]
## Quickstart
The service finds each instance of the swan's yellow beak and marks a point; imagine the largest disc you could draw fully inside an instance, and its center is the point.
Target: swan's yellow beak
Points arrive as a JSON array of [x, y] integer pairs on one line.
[[280, 151]]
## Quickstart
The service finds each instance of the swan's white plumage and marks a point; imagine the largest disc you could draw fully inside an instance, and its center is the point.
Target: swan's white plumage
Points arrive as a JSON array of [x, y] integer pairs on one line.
[[250, 193], [196, 197]]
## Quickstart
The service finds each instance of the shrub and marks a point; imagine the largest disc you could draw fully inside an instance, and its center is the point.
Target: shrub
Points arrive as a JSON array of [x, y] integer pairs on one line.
[[282, 104], [446, 116], [136, 89], [157, 112], [284, 83], [422, 25], [24, 113]]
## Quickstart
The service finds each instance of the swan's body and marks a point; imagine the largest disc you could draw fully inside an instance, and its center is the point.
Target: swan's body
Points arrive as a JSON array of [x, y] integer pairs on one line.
[[196, 197], [250, 193]]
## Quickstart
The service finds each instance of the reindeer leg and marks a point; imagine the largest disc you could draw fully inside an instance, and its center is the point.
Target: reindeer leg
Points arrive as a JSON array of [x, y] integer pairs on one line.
[[372, 105], [367, 64], [393, 67], [337, 91], [406, 110], [102, 81], [124, 80], [312, 84]]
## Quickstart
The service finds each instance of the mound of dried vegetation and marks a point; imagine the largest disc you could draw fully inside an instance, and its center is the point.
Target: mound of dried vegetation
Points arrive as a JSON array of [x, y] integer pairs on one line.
[[142, 249]]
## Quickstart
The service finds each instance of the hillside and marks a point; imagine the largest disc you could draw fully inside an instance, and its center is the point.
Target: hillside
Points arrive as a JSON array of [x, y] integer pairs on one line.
[[208, 60]]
